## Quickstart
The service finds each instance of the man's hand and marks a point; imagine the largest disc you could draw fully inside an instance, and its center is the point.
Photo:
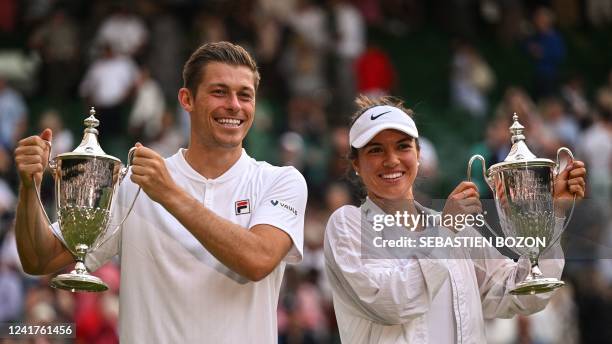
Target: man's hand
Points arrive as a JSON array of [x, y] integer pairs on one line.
[[150, 173], [32, 157], [462, 201]]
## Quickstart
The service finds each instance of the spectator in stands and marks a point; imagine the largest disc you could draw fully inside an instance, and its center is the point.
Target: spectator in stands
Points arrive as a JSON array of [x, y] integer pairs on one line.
[[63, 140], [542, 142], [107, 84], [562, 126], [124, 31], [167, 45], [145, 119], [595, 147], [471, 80], [604, 94], [576, 101], [546, 48], [348, 42], [374, 71], [13, 115], [599, 12], [57, 40]]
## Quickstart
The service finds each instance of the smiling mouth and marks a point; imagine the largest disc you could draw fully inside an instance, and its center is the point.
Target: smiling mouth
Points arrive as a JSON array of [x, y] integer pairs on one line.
[[392, 176], [229, 122]]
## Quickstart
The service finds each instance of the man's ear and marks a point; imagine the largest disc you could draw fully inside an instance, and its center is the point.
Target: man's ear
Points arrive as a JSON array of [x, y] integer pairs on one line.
[[185, 99]]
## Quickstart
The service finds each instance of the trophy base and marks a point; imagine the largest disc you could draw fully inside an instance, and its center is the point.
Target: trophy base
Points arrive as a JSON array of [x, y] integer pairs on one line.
[[537, 286], [78, 282]]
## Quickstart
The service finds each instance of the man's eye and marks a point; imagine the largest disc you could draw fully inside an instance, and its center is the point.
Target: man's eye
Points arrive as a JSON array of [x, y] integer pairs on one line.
[[246, 96], [218, 92]]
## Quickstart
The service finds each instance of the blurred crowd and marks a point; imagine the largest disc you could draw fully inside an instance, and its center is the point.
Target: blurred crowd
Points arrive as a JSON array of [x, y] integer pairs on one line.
[[125, 57]]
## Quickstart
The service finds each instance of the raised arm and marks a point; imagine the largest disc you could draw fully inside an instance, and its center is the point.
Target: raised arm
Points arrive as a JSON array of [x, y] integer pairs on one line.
[[252, 253], [39, 250]]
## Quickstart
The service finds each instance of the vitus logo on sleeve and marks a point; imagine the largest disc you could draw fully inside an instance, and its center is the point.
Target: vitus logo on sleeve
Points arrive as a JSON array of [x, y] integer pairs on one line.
[[243, 207], [275, 202]]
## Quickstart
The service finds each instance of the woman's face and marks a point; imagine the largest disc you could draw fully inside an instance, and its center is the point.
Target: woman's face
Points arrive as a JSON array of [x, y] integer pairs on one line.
[[388, 165]]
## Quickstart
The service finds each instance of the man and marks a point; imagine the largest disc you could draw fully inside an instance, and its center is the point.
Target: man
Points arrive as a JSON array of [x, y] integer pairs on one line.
[[202, 255]]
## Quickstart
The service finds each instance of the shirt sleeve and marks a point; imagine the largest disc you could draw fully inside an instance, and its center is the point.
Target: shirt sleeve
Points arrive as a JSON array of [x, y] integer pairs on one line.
[[387, 291], [283, 205], [497, 275]]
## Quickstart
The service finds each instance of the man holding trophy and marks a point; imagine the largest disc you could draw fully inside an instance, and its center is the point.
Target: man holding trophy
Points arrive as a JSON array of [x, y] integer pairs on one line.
[[203, 250]]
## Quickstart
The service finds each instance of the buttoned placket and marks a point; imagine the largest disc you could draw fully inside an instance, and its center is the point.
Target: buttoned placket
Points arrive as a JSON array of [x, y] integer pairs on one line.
[[208, 194]]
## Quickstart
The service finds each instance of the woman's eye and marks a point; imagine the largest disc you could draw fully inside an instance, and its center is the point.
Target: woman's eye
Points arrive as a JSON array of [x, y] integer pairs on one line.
[[374, 150], [404, 146]]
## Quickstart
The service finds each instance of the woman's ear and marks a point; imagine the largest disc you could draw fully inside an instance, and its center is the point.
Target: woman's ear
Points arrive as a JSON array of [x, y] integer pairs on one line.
[[355, 164]]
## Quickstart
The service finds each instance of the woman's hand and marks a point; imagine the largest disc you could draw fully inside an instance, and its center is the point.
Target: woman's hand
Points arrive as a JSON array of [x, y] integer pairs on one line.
[[569, 183], [462, 201]]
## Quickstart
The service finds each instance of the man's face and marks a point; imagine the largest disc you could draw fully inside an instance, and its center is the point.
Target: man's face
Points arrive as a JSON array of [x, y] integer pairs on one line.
[[223, 108]]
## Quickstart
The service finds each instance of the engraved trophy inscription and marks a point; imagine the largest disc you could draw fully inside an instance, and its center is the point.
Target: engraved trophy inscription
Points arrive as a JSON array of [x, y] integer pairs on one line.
[[523, 189], [86, 181]]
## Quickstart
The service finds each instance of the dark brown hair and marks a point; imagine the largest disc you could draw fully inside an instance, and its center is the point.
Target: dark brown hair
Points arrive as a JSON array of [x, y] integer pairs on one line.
[[363, 104], [224, 52]]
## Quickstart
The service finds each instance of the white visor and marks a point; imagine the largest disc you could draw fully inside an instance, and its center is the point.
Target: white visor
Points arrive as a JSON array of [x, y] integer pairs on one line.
[[377, 119]]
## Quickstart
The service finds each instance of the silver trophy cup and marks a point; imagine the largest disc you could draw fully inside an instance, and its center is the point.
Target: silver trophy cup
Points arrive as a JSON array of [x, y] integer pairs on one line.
[[86, 181], [523, 189]]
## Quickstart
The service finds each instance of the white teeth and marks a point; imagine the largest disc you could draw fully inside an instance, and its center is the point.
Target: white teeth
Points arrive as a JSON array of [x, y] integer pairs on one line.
[[230, 121], [392, 175]]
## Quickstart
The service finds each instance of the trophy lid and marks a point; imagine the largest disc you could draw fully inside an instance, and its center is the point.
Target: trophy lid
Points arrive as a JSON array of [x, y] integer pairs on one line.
[[520, 155], [89, 147]]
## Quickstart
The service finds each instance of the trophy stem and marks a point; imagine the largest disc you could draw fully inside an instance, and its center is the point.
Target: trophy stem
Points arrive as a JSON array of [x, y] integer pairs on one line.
[[534, 283], [79, 279], [535, 271], [80, 268]]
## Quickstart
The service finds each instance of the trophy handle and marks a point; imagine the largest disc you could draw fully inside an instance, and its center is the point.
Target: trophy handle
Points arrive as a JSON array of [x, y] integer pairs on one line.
[[487, 180], [558, 162], [556, 173], [484, 169], [123, 173], [52, 166]]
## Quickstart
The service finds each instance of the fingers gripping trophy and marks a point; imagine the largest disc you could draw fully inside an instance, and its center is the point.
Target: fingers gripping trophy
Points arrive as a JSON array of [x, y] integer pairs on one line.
[[523, 189], [86, 180]]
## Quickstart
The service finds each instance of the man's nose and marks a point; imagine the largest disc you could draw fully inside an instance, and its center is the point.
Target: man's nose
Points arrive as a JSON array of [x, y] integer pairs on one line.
[[233, 103]]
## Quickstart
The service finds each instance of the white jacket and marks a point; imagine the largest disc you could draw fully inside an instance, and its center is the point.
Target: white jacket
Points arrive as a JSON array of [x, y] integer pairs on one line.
[[422, 299]]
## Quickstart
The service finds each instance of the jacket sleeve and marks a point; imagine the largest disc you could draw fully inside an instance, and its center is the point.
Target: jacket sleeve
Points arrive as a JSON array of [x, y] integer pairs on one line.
[[387, 291], [497, 275]]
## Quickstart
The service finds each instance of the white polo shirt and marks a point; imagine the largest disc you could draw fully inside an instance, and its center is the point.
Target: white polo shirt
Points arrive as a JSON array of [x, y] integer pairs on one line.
[[172, 289]]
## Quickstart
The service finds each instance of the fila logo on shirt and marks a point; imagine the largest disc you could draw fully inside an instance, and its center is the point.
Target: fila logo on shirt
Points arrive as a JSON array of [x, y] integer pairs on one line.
[[284, 205], [243, 207]]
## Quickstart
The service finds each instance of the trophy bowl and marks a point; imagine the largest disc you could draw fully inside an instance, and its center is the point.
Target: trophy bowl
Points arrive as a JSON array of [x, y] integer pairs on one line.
[[523, 190], [86, 181]]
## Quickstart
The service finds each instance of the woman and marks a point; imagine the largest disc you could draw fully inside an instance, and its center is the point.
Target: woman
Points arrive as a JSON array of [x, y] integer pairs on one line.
[[418, 295]]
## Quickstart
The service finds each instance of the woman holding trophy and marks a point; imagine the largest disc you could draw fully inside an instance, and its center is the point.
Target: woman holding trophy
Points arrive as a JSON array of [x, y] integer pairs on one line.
[[422, 294]]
